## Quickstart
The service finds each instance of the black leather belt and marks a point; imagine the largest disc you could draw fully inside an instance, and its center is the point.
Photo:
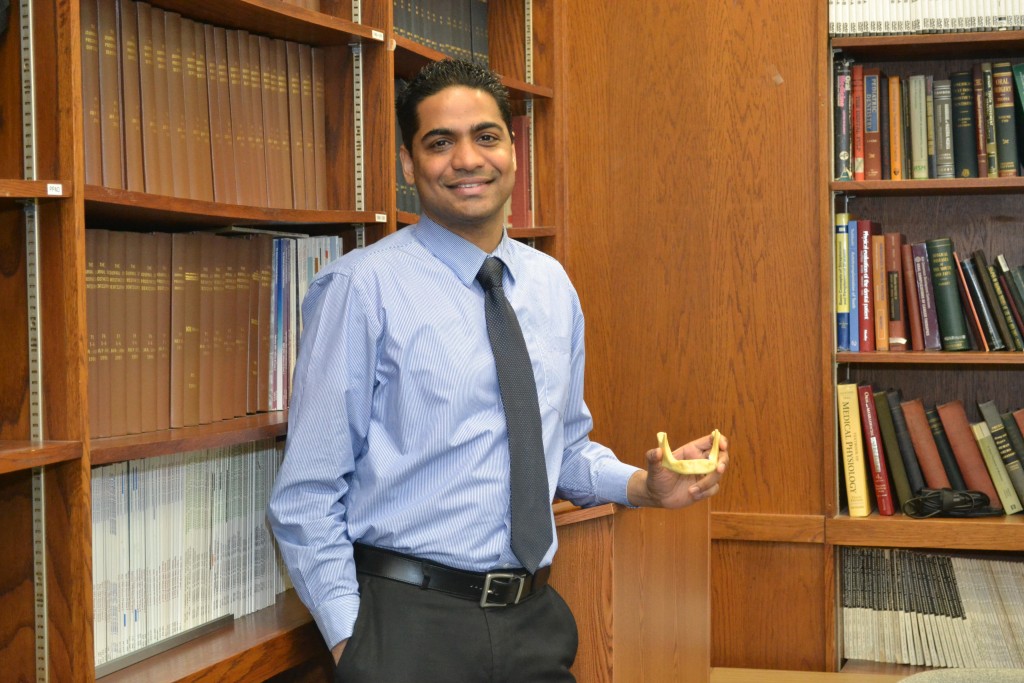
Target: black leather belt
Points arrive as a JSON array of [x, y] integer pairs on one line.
[[492, 589]]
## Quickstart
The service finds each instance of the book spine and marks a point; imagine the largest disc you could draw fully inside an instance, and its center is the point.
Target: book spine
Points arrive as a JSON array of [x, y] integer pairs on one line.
[[872, 131], [980, 130], [943, 103], [1008, 454], [110, 94], [926, 297], [880, 293], [896, 143], [1016, 342], [883, 127], [915, 477], [965, 143], [918, 128], [1006, 124], [924, 445], [842, 281], [201, 120], [853, 265], [1014, 465], [92, 132], [1005, 497], [865, 292], [974, 333], [913, 305], [162, 315], [857, 115], [929, 109], [991, 142], [965, 447], [1014, 293], [890, 443], [981, 306], [134, 174], [952, 327], [874, 451], [852, 448], [945, 449], [894, 282], [118, 362]]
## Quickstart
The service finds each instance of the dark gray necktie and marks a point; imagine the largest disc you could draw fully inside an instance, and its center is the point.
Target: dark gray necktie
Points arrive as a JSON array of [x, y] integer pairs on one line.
[[531, 502]]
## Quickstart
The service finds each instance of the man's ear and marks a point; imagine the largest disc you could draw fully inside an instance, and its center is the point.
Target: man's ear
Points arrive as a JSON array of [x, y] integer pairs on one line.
[[407, 169]]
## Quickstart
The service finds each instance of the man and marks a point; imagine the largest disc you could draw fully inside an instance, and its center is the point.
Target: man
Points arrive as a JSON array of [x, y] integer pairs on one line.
[[398, 508]]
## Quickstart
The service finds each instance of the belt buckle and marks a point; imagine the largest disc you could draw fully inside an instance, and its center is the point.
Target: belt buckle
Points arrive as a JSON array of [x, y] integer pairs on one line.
[[501, 576]]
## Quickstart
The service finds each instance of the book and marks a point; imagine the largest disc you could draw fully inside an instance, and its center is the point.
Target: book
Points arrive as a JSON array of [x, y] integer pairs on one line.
[[992, 292], [891, 447], [991, 142], [926, 297], [896, 158], [842, 281], [918, 124], [943, 113], [952, 327], [883, 126], [872, 123], [854, 287], [880, 292], [1008, 453], [522, 209], [131, 97], [851, 445], [857, 117], [945, 449], [1005, 496], [898, 328], [965, 143], [975, 336], [981, 130], [1005, 119], [913, 302], [965, 448], [911, 465], [927, 452], [110, 94], [1015, 296], [865, 291], [1014, 465], [92, 131], [874, 450], [980, 300], [929, 108], [1005, 305], [118, 334]]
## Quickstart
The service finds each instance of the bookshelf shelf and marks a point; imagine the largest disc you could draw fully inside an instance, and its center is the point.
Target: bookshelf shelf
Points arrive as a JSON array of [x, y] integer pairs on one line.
[[277, 20], [932, 45], [410, 57], [14, 189], [255, 647], [1005, 533], [910, 188], [931, 358], [214, 435], [16, 456], [112, 208]]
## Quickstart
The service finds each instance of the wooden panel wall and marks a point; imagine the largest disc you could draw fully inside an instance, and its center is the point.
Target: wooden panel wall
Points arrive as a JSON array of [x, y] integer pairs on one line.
[[692, 207]]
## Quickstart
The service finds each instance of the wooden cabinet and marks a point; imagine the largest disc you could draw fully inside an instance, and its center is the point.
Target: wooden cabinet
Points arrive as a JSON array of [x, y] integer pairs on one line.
[[977, 213]]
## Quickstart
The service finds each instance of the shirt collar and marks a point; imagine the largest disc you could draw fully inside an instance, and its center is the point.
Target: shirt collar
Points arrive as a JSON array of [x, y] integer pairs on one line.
[[463, 257]]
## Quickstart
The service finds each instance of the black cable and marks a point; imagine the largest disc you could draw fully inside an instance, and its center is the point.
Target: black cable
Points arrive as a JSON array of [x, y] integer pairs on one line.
[[949, 503]]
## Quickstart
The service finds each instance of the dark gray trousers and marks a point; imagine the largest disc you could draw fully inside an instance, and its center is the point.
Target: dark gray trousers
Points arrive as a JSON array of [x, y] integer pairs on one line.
[[406, 634]]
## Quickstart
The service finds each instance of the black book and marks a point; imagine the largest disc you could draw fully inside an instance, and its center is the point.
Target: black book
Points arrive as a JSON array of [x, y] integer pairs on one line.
[[965, 144], [914, 476], [883, 124], [956, 480]]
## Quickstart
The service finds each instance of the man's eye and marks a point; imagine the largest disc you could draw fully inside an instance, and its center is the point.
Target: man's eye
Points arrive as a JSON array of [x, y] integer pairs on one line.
[[488, 137], [438, 144]]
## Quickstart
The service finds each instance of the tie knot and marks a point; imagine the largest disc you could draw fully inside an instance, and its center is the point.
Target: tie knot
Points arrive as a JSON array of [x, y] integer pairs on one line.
[[490, 273]]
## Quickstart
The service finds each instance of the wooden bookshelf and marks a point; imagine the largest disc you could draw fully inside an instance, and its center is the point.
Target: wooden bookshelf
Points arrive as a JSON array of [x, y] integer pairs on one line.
[[22, 455], [972, 211]]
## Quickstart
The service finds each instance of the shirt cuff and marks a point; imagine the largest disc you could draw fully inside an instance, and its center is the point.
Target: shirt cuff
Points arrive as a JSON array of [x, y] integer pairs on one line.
[[613, 482], [337, 618]]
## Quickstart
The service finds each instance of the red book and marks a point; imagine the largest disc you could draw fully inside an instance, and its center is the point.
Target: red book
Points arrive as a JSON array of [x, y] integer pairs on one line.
[[924, 445], [865, 293], [872, 124], [858, 121], [965, 449], [898, 328], [874, 451], [913, 301]]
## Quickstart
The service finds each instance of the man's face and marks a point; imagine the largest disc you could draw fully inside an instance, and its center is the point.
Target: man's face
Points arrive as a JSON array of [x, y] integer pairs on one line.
[[462, 162]]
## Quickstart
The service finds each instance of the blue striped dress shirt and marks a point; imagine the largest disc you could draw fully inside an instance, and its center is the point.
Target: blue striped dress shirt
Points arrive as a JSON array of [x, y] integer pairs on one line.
[[396, 434]]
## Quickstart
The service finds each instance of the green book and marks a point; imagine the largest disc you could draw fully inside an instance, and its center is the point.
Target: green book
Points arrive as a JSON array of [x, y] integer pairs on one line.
[[1016, 468], [1009, 454], [952, 326], [890, 443], [965, 143], [1006, 124], [996, 468]]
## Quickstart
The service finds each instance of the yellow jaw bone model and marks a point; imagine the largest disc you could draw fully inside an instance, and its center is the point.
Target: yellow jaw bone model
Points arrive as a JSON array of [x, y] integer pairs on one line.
[[696, 466]]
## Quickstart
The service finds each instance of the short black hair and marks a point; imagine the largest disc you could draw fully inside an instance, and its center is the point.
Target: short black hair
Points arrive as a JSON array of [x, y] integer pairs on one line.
[[447, 73]]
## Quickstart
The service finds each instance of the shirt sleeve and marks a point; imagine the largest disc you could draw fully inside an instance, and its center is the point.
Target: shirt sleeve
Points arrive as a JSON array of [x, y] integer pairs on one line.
[[591, 474], [328, 420]]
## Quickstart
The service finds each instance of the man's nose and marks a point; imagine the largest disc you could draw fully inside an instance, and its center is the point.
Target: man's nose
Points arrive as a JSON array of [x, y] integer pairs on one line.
[[466, 155]]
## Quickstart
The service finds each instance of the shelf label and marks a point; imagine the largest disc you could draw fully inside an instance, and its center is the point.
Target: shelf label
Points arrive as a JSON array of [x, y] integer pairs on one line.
[[54, 189], [377, 35], [380, 217]]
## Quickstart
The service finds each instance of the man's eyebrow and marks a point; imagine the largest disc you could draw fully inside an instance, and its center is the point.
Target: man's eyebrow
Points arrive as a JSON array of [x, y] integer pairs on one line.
[[477, 127]]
